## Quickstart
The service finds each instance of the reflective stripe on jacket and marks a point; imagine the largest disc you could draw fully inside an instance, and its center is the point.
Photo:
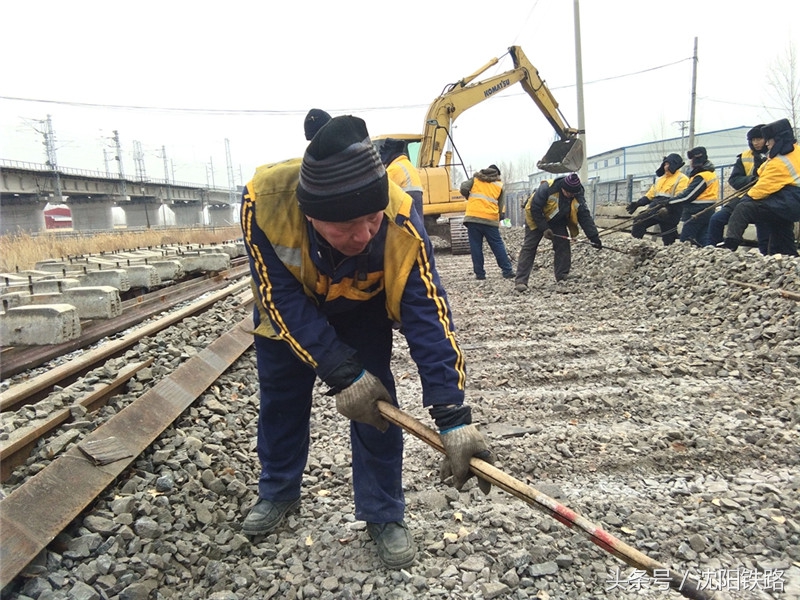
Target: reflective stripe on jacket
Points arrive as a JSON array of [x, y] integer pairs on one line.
[[483, 200], [778, 173], [748, 161], [296, 284], [403, 173], [711, 193], [551, 208], [669, 185]]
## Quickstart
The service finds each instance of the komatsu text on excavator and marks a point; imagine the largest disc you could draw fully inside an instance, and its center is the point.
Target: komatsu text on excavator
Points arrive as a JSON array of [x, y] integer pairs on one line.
[[443, 206]]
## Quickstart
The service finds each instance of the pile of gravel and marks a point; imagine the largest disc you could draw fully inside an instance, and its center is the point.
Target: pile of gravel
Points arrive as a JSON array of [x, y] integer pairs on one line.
[[652, 396]]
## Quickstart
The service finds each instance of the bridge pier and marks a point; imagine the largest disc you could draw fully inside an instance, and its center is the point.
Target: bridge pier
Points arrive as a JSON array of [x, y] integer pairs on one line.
[[22, 214], [188, 214], [91, 213], [144, 213], [223, 215]]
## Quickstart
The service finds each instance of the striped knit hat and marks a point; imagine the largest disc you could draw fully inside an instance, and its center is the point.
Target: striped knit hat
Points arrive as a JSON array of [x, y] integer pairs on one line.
[[341, 177], [572, 184]]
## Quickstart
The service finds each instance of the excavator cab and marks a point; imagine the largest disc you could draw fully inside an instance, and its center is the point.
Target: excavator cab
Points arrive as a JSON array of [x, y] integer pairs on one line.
[[563, 156]]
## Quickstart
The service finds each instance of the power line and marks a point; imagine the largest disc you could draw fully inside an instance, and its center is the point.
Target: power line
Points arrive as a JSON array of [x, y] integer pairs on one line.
[[209, 111], [292, 112]]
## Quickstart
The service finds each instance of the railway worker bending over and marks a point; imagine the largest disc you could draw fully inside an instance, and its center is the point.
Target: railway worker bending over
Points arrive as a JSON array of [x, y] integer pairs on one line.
[[775, 197], [337, 256]]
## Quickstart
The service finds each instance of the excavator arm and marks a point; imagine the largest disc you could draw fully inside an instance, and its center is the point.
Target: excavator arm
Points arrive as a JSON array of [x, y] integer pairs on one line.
[[563, 156]]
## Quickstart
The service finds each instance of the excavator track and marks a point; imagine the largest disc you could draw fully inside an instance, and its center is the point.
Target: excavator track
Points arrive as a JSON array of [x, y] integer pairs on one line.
[[459, 239]]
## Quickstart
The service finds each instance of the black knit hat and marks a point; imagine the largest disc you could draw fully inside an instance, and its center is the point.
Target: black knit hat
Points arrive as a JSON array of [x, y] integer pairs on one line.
[[572, 184], [315, 119], [341, 176], [495, 167]]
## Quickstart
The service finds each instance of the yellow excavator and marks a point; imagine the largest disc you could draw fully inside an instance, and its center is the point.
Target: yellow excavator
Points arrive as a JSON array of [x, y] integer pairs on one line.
[[444, 206]]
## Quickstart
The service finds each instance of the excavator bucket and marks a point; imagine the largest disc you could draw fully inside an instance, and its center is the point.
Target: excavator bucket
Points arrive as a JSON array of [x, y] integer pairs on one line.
[[564, 156]]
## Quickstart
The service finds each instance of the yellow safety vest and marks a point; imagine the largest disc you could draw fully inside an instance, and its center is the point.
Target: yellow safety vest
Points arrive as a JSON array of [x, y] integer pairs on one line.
[[668, 185], [748, 161], [403, 173], [711, 193], [551, 208], [483, 200], [278, 215]]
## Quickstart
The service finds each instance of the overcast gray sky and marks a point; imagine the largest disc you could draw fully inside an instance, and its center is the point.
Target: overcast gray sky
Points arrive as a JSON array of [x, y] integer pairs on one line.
[[186, 76]]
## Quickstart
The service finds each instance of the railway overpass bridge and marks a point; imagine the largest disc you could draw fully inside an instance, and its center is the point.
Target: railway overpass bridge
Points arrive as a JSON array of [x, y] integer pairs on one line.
[[26, 188]]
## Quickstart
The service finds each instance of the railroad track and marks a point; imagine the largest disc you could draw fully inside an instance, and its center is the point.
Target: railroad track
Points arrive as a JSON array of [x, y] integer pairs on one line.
[[83, 471]]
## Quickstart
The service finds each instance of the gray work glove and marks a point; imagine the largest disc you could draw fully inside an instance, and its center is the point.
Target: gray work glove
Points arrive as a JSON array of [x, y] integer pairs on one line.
[[547, 234], [357, 401], [460, 445]]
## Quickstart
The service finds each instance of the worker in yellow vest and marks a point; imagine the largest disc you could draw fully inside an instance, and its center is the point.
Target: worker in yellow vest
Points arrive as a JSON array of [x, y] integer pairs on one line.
[[485, 209], [337, 256]]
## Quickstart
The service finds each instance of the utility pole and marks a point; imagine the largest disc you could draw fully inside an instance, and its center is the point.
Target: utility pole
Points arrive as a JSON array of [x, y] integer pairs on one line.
[[138, 161], [683, 125], [694, 96], [212, 184], [141, 175], [579, 81], [229, 165], [105, 162], [52, 161], [166, 171], [118, 157]]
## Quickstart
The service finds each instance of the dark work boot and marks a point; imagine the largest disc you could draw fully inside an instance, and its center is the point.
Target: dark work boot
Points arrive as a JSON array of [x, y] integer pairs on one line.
[[396, 548], [267, 515]]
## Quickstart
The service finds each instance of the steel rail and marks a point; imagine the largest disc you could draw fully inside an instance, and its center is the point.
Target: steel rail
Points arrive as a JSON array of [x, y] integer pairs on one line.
[[17, 448], [71, 482]]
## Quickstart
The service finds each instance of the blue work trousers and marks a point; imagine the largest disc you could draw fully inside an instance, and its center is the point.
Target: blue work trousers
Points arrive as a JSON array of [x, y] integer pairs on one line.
[[284, 421], [716, 229], [476, 232], [695, 219]]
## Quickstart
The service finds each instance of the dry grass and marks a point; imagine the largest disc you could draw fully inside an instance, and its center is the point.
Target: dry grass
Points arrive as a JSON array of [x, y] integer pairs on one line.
[[22, 251]]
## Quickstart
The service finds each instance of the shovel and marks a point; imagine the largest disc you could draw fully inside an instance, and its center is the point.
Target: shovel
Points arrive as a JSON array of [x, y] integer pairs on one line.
[[630, 556], [563, 156]]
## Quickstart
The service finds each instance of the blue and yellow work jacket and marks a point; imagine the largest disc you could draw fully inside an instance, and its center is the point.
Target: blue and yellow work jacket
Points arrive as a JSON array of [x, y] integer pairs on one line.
[[298, 279], [703, 187], [547, 204], [779, 184]]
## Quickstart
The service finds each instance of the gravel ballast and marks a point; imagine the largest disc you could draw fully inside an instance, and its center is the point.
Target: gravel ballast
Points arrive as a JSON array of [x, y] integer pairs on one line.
[[652, 396]]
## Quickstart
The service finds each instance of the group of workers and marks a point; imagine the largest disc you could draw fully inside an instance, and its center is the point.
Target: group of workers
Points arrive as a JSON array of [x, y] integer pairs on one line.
[[766, 178], [340, 260]]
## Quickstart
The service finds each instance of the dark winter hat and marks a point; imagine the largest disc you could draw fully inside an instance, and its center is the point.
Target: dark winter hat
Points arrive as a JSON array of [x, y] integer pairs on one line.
[[315, 119], [341, 176], [391, 149], [674, 161], [697, 155], [756, 132], [773, 130], [495, 167], [572, 183]]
